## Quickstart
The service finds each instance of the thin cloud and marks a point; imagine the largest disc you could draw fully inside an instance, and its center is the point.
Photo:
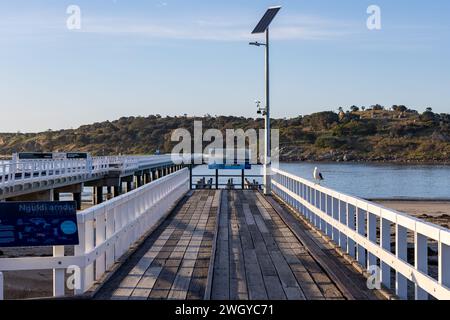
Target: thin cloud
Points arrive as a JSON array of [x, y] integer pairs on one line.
[[300, 27], [294, 28]]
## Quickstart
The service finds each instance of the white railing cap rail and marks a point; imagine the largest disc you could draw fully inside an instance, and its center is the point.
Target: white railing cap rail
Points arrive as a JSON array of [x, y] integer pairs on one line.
[[432, 231], [89, 256], [90, 213]]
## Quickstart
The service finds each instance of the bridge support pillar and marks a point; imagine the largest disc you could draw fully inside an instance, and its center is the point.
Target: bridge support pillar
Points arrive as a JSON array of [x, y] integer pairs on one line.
[[129, 186], [117, 190], [77, 199], [98, 195], [109, 194], [137, 181]]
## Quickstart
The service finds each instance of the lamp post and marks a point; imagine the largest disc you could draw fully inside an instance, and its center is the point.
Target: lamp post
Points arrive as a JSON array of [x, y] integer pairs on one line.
[[263, 27]]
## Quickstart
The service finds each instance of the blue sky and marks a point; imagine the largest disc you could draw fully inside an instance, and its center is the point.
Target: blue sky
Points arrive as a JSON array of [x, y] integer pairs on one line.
[[176, 56]]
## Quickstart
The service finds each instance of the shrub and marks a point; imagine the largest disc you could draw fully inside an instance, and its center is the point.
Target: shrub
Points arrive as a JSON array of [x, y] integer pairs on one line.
[[321, 120], [354, 128], [327, 141]]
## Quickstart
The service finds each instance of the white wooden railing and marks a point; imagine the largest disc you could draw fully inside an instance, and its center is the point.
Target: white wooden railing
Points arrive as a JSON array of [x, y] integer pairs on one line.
[[136, 162], [106, 232], [27, 171], [352, 223]]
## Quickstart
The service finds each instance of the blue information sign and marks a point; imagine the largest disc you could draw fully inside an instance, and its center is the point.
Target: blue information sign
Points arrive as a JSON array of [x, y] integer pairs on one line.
[[229, 159], [25, 224], [233, 166]]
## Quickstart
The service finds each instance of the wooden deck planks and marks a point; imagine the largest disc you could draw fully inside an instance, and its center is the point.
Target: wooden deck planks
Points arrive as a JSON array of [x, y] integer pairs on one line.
[[173, 261], [339, 272], [259, 254], [265, 259]]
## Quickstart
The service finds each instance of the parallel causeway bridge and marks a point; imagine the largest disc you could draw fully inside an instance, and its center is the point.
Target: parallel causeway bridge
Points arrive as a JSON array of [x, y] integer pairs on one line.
[[160, 237]]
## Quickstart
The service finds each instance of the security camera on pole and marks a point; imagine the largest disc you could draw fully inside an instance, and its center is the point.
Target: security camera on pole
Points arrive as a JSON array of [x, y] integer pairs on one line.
[[263, 27]]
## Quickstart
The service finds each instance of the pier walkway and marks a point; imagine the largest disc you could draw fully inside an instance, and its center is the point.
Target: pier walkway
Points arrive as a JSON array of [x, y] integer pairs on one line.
[[163, 240], [173, 262], [255, 256]]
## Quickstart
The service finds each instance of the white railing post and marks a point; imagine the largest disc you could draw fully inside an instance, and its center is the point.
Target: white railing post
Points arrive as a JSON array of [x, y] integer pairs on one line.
[[361, 226], [80, 250], [310, 201], [343, 220], [109, 256], [444, 264], [421, 261], [351, 223], [372, 236], [335, 214], [2, 296], [317, 200], [100, 237], [401, 251], [328, 209], [58, 274], [385, 242]]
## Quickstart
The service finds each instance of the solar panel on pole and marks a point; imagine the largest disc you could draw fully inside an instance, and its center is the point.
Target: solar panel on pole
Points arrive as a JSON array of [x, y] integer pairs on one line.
[[265, 21]]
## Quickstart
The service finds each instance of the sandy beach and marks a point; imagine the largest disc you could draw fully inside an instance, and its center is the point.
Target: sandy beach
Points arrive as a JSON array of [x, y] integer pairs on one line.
[[437, 212]]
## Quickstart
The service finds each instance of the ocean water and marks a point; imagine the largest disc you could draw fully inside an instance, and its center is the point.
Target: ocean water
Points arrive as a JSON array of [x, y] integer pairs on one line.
[[372, 181]]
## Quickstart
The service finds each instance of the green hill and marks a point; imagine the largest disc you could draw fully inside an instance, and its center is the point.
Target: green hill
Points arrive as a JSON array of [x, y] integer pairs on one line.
[[376, 134]]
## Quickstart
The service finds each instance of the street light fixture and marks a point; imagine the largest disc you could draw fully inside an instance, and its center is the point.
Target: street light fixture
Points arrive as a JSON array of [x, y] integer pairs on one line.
[[259, 110], [263, 27], [258, 44]]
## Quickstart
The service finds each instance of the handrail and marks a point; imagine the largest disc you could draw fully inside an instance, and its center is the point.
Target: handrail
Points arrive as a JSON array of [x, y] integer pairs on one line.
[[27, 171], [106, 232], [352, 224]]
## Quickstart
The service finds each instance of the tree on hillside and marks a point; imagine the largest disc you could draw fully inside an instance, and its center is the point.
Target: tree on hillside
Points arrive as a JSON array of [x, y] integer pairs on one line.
[[428, 115], [354, 109], [400, 108], [377, 107], [321, 120]]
